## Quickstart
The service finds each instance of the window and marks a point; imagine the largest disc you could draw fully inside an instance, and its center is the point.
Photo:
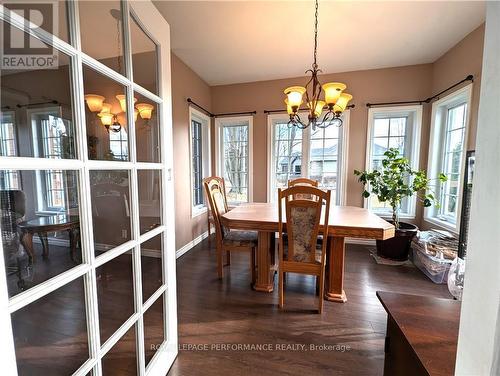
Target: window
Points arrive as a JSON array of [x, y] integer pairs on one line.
[[234, 157], [449, 129], [200, 158], [316, 154], [393, 127], [118, 145], [51, 139], [9, 179]]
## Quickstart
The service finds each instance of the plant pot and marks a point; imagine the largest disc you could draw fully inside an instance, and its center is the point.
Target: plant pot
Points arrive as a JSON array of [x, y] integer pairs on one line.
[[398, 247]]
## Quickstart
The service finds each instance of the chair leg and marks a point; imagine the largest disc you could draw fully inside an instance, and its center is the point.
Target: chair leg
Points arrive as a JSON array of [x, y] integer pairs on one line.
[[321, 292], [280, 288], [219, 263], [317, 285], [252, 265], [228, 258]]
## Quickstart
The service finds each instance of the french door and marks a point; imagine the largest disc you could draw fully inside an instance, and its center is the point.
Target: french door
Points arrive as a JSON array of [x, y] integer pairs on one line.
[[87, 277]]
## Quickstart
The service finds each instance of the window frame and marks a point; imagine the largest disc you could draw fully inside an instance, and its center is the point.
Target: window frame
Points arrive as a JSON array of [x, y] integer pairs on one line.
[[205, 121], [342, 161], [220, 123], [435, 160], [11, 176], [416, 111]]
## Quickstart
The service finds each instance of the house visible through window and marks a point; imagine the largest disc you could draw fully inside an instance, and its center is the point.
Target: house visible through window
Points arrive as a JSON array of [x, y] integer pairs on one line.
[[316, 154], [200, 158], [447, 153], [399, 128], [9, 179], [234, 156]]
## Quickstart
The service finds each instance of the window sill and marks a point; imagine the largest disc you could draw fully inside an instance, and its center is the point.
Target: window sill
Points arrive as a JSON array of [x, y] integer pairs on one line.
[[443, 224], [48, 213], [388, 216], [198, 210]]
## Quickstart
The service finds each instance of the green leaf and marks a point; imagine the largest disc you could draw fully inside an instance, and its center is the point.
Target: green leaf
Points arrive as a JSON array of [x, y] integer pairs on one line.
[[366, 194]]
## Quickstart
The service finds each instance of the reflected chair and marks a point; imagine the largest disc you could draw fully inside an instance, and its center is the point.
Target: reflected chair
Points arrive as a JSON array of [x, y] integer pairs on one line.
[[227, 240], [12, 213], [302, 253]]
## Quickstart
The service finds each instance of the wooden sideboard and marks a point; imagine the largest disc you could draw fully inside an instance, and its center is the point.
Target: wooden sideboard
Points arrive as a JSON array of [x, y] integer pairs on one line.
[[422, 334]]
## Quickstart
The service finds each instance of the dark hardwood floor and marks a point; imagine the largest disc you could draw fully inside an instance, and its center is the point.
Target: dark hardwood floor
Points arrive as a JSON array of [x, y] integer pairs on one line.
[[213, 312]]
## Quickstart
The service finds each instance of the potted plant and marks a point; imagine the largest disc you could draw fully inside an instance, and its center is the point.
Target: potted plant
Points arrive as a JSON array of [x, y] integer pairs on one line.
[[393, 182]]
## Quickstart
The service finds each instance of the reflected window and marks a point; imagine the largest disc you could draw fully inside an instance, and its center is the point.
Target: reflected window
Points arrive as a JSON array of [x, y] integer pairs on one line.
[[149, 183], [147, 129], [9, 179], [118, 144]]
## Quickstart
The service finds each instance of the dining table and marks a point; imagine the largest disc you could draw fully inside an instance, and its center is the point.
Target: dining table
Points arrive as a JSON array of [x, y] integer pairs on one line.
[[344, 222]]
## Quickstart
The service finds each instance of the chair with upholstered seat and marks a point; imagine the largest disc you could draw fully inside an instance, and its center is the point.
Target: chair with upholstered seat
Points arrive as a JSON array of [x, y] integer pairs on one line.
[[302, 253], [227, 240]]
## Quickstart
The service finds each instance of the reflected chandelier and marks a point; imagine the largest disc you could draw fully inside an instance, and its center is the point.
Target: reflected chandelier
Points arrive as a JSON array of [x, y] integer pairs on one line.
[[335, 99]]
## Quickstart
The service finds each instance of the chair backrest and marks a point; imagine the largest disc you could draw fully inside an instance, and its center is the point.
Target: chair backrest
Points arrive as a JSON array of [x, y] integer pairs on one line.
[[303, 218], [302, 181], [215, 192], [14, 201]]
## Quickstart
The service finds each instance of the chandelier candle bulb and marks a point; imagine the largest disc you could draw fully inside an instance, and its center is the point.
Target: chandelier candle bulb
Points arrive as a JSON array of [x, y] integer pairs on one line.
[[94, 102], [294, 95], [332, 92], [289, 108], [343, 101], [145, 110], [106, 118], [318, 110], [106, 107], [123, 101]]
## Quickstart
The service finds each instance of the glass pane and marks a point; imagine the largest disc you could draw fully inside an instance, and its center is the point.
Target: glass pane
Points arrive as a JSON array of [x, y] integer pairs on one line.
[[105, 105], [121, 360], [40, 224], [235, 149], [151, 266], [456, 117], [49, 16], [144, 57], [380, 145], [36, 105], [153, 329], [147, 129], [110, 198], [381, 128], [115, 294], [149, 199], [50, 334], [101, 32]]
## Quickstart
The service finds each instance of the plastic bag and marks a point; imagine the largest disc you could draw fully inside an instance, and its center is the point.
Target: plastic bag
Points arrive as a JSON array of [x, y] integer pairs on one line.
[[456, 278]]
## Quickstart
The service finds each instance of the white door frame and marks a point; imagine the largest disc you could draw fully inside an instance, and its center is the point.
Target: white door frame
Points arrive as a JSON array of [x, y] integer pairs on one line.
[[159, 31]]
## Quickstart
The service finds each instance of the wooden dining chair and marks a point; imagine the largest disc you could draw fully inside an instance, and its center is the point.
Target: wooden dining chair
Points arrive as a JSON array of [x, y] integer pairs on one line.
[[210, 217], [302, 253], [227, 240], [302, 181]]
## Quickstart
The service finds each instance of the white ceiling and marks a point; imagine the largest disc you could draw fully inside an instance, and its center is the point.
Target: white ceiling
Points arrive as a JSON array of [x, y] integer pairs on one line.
[[242, 41]]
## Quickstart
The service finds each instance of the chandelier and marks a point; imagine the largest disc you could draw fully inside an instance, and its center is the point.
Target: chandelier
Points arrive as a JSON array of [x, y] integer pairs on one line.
[[335, 99]]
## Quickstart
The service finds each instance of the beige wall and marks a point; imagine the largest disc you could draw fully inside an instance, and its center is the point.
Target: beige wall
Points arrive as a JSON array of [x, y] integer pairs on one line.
[[378, 85], [185, 84]]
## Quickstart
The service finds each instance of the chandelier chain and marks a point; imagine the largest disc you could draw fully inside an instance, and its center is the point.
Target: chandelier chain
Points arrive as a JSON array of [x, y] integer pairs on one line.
[[315, 64]]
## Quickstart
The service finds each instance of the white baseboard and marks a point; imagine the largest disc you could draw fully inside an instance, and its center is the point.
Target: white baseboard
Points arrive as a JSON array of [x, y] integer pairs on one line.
[[369, 242], [182, 250]]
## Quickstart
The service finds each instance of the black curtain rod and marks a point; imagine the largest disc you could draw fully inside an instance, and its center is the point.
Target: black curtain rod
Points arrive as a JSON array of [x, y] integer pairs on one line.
[[284, 110], [470, 77], [30, 104], [189, 100]]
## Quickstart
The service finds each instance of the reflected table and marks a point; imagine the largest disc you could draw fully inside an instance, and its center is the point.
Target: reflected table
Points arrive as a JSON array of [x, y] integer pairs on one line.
[[42, 226]]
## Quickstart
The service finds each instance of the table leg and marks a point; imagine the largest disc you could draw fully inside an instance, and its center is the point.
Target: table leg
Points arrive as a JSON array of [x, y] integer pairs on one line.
[[335, 289], [264, 274], [27, 242], [45, 244]]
